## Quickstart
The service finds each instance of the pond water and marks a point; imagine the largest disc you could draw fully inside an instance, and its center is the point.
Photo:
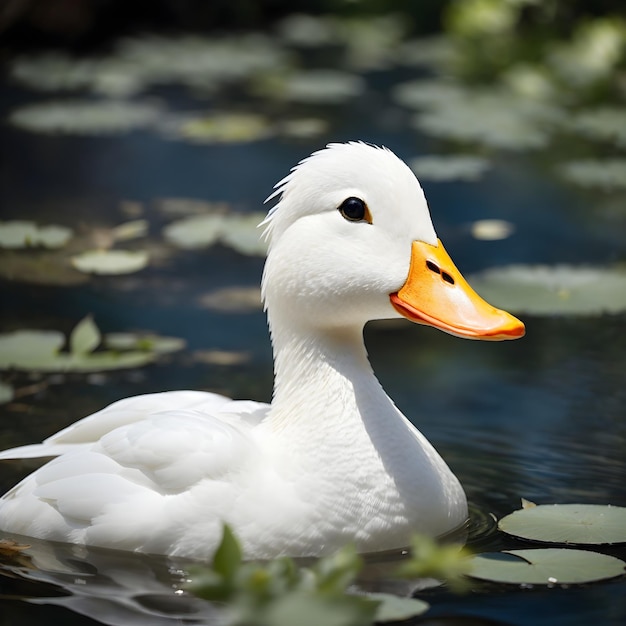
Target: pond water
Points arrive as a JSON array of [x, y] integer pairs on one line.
[[541, 418]]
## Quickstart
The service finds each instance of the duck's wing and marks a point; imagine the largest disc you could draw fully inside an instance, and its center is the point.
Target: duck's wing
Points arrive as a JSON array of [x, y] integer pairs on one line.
[[120, 413], [131, 489]]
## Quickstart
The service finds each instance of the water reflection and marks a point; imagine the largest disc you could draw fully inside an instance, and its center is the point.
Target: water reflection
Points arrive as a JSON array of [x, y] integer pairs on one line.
[[110, 587]]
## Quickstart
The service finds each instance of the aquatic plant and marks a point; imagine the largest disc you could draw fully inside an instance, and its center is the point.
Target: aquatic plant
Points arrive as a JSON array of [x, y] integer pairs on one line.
[[87, 350], [27, 234], [282, 592]]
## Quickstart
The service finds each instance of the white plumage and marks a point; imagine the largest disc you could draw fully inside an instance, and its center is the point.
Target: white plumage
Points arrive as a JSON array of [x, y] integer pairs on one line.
[[331, 460]]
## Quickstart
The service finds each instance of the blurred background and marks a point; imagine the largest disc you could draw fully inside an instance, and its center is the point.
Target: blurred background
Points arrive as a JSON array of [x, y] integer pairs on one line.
[[138, 141]]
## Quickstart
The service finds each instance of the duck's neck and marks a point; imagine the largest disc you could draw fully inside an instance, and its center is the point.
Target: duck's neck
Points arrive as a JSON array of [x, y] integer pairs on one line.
[[331, 420], [323, 381]]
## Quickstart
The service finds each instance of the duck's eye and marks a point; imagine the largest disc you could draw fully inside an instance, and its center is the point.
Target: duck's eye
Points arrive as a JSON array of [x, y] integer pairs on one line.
[[355, 210]]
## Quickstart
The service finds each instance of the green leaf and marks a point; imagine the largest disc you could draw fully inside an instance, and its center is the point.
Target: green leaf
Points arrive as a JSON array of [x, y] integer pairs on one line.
[[429, 559], [580, 524], [550, 290], [143, 341], [85, 337], [111, 261], [394, 608], [337, 571], [24, 234], [546, 566], [228, 556], [208, 585], [449, 167], [29, 349]]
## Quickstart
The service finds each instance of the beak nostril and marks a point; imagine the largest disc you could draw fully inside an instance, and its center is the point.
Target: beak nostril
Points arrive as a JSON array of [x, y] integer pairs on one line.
[[433, 267], [447, 277]]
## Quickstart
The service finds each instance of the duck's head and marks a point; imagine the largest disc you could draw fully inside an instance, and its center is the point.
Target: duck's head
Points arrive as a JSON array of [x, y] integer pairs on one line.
[[351, 239]]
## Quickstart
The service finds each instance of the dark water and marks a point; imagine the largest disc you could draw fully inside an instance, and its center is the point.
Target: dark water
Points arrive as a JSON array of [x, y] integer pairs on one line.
[[541, 418]]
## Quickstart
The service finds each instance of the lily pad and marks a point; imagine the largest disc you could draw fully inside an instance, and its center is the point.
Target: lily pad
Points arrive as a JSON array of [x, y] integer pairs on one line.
[[552, 290], [444, 168], [318, 87], [24, 234], [546, 566], [495, 119], [603, 124], [29, 349], [85, 117], [597, 173], [146, 342], [41, 350], [241, 232], [303, 128], [196, 231], [130, 230], [238, 231], [579, 524], [111, 261], [395, 608], [220, 128]]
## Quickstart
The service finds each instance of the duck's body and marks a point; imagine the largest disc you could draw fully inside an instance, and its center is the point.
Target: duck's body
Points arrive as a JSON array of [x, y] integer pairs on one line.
[[331, 460]]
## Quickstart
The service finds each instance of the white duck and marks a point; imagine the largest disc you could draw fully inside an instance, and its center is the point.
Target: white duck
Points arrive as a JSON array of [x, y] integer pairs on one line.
[[331, 460]]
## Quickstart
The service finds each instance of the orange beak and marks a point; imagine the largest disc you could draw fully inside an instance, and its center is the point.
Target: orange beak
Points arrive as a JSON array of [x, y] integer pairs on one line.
[[436, 294]]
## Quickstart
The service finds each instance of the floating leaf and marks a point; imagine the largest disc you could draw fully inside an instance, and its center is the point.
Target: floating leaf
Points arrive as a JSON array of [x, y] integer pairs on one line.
[[241, 232], [394, 608], [111, 261], [237, 231], [143, 341], [443, 168], [84, 117], [549, 290], [603, 173], [6, 392], [23, 234], [198, 231], [130, 230], [318, 87], [220, 128], [29, 349], [547, 566], [581, 524], [426, 93], [85, 337], [498, 118], [605, 124], [97, 361], [303, 128], [491, 230]]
